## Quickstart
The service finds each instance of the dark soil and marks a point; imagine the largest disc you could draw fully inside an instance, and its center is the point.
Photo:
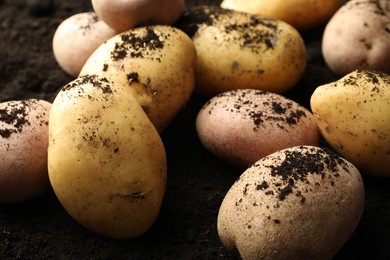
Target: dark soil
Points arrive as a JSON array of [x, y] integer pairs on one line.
[[197, 181]]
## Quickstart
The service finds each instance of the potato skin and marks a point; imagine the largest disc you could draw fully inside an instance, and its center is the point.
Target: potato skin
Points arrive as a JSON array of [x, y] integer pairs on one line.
[[302, 14], [353, 115], [76, 38], [299, 203], [23, 149], [241, 126], [123, 15], [358, 37], [237, 50], [106, 161], [155, 62]]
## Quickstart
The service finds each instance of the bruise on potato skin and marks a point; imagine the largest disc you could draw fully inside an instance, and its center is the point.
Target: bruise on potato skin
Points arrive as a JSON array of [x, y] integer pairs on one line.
[[15, 115], [257, 33]]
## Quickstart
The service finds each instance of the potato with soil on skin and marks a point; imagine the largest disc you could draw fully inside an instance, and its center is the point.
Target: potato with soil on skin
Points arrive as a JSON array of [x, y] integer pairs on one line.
[[353, 115], [23, 149], [76, 38], [358, 37], [106, 160], [302, 14], [123, 15], [237, 50], [155, 62], [299, 203], [241, 126]]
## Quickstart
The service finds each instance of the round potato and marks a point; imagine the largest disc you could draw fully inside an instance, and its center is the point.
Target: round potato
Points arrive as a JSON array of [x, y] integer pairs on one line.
[[358, 37], [299, 203], [23, 149], [302, 14], [124, 15], [237, 50], [155, 62], [106, 160], [241, 126], [76, 38], [353, 115]]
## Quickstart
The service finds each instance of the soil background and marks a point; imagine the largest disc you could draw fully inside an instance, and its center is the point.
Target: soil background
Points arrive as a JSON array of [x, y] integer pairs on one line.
[[197, 181]]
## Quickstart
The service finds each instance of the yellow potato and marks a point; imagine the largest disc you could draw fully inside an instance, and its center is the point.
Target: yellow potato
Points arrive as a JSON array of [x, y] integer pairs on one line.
[[237, 50], [302, 14], [156, 62], [106, 161], [353, 115]]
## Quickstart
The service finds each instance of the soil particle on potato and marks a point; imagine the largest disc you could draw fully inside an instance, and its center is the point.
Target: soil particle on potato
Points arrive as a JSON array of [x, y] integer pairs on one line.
[[136, 46], [361, 76], [296, 167], [92, 20], [94, 80], [255, 33], [132, 77], [15, 116], [269, 109]]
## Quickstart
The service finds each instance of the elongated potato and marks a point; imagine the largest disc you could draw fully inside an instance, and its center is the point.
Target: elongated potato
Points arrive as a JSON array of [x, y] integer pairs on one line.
[[353, 115], [241, 126], [106, 161], [237, 50], [155, 62]]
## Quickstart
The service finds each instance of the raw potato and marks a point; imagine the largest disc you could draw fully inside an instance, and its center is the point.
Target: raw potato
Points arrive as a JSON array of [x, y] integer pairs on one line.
[[358, 37], [123, 15], [241, 126], [302, 14], [23, 149], [156, 62], [299, 203], [107, 163], [237, 50], [76, 38], [353, 115]]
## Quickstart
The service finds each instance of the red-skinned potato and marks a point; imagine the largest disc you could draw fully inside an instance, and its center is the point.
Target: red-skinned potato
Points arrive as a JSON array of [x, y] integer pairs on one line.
[[298, 203], [76, 38], [126, 14], [241, 126], [23, 149], [358, 37]]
